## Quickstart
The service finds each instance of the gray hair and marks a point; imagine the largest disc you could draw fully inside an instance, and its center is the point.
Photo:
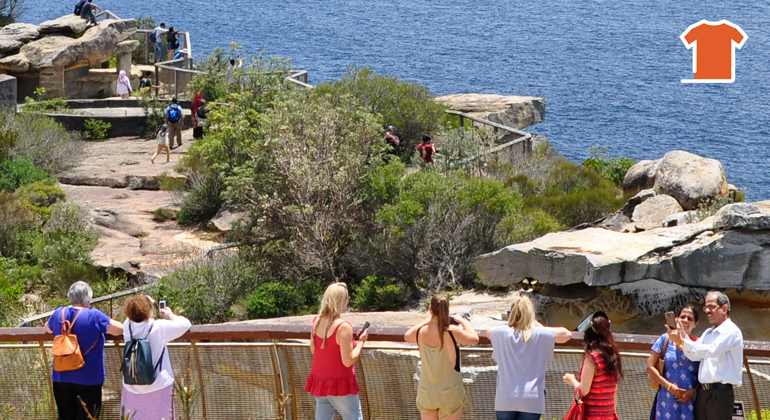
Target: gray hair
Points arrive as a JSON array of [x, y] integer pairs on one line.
[[80, 293], [722, 299]]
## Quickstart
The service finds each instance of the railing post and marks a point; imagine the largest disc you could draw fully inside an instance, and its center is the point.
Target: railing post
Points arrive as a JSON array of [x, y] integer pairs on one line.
[[462, 121], [176, 87], [200, 378], [753, 388], [286, 400], [50, 379]]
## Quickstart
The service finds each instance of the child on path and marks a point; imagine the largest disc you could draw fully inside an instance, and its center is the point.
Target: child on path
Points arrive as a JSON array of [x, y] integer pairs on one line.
[[162, 144]]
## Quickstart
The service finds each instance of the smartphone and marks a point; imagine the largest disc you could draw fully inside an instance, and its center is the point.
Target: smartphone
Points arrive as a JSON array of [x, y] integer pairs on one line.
[[162, 304], [453, 321], [671, 320], [364, 328]]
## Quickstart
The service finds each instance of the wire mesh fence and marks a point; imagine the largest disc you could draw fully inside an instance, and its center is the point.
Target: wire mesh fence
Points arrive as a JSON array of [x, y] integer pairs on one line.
[[266, 380]]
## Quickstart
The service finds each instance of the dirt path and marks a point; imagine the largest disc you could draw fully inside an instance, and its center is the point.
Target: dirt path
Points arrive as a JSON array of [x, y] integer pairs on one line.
[[117, 184]]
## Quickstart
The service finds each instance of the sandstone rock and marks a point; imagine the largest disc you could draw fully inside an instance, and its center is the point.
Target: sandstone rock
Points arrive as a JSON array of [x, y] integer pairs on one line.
[[742, 216], [82, 179], [653, 297], [512, 111], [641, 175], [67, 24], [226, 217], [22, 32], [690, 179], [138, 182], [652, 212], [678, 219], [14, 63], [639, 198], [98, 44], [7, 45]]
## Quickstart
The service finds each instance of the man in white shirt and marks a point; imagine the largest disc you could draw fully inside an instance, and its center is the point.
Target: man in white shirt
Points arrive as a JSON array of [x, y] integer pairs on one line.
[[720, 353], [159, 31]]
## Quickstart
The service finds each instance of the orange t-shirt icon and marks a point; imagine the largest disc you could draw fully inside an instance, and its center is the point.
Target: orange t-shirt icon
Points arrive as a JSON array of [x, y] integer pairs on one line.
[[713, 55]]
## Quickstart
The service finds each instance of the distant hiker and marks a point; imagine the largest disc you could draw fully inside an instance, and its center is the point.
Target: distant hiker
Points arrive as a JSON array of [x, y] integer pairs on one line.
[[231, 72], [79, 7], [392, 140], [172, 42], [87, 11], [156, 36], [174, 118], [162, 143], [200, 116], [426, 149], [124, 85]]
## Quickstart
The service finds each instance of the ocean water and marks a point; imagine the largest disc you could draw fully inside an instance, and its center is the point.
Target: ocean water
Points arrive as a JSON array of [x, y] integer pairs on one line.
[[610, 70]]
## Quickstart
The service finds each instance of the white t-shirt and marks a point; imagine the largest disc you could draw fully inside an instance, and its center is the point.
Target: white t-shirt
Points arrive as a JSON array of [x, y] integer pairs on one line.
[[521, 368], [162, 332], [162, 138]]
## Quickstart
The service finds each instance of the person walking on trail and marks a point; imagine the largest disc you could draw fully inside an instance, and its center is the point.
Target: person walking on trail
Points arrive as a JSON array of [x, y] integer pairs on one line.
[[124, 85], [426, 149], [74, 389], [87, 11], [157, 37], [174, 118], [720, 353], [392, 140], [162, 144]]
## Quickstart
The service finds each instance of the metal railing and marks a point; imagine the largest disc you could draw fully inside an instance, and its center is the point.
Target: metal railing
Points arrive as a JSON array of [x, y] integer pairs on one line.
[[504, 145], [258, 371]]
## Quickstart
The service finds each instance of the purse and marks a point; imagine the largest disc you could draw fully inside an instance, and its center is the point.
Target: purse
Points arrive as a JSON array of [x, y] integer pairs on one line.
[[661, 366], [576, 409]]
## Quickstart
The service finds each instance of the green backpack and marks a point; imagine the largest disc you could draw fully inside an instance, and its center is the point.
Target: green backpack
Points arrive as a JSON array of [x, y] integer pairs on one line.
[[137, 364]]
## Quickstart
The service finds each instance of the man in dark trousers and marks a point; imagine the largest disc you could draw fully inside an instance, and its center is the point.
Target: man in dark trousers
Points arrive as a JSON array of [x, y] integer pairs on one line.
[[720, 353]]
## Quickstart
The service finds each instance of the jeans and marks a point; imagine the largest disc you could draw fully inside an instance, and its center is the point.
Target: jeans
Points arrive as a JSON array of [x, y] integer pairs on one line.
[[158, 52], [516, 415], [348, 406]]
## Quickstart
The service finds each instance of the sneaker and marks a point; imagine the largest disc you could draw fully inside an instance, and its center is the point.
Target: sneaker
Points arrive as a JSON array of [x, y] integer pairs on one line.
[[153, 161]]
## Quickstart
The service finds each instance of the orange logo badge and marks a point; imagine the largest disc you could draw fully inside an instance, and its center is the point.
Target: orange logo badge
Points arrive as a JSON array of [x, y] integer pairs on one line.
[[713, 56]]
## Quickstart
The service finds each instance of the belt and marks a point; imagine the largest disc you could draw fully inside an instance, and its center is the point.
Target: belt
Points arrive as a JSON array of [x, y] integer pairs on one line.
[[709, 387]]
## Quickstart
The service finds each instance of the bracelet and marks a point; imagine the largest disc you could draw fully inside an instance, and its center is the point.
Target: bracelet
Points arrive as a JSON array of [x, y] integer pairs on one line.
[[669, 387]]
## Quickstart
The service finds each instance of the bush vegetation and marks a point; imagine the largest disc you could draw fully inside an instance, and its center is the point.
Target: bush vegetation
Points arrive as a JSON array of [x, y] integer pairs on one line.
[[96, 129]]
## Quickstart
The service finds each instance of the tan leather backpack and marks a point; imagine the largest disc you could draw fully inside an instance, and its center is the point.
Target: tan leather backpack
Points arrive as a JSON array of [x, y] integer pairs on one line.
[[66, 350]]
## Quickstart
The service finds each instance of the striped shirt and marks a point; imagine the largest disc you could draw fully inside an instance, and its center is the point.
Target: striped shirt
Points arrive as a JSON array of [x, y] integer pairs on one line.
[[600, 401]]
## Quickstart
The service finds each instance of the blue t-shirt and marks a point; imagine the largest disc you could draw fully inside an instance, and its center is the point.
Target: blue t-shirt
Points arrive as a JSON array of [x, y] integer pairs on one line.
[[521, 368], [90, 328]]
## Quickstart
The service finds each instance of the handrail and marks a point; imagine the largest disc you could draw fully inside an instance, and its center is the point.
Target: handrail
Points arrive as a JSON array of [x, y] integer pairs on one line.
[[262, 331], [524, 135], [495, 149], [487, 122], [107, 13]]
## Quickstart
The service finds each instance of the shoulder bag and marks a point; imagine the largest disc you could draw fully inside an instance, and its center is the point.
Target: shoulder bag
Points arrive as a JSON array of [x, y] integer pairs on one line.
[[576, 410], [661, 366]]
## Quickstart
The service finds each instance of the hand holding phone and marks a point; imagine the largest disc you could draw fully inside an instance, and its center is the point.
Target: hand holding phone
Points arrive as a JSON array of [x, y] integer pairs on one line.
[[364, 330], [162, 304], [671, 320]]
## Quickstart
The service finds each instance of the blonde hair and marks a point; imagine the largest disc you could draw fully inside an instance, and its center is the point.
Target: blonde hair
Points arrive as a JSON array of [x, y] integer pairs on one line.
[[439, 305], [522, 316], [333, 302]]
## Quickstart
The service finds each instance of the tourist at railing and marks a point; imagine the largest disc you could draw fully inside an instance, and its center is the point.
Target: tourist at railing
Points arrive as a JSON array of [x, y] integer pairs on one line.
[[522, 350], [87, 11], [720, 353], [440, 392], [157, 33], [153, 401], [680, 374], [89, 325], [601, 369], [124, 85], [172, 41], [332, 379]]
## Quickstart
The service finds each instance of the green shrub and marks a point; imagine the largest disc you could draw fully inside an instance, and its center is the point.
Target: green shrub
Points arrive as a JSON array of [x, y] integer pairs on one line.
[[164, 214], [40, 196], [408, 106], [17, 172], [378, 294], [170, 183], [66, 238], [43, 141], [611, 168], [202, 202], [96, 129], [272, 300], [46, 106]]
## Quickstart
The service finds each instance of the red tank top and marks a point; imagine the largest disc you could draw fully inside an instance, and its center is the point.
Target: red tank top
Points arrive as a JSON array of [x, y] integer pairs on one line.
[[328, 376], [600, 401]]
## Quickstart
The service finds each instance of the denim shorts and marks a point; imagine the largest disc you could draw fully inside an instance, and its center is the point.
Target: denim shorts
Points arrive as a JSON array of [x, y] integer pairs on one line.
[[349, 407]]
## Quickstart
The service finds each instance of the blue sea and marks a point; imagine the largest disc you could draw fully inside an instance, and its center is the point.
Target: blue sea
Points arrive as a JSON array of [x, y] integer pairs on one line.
[[610, 70]]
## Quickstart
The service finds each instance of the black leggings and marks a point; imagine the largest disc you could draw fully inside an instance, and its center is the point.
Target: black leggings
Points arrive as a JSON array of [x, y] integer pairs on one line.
[[67, 402]]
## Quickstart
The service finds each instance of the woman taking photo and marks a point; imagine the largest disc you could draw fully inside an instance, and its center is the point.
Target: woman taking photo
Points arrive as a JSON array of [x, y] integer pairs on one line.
[[522, 349], [153, 401], [680, 374], [332, 379], [601, 369], [440, 393]]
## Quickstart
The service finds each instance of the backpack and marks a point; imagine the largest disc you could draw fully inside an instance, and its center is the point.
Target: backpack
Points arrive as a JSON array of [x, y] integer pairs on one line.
[[201, 112], [79, 7], [154, 36], [66, 349], [174, 114], [137, 364]]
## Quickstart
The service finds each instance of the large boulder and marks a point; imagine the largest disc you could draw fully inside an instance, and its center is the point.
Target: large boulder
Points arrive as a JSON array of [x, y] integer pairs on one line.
[[512, 111], [652, 212], [67, 24], [13, 36], [96, 45], [641, 175], [690, 178]]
